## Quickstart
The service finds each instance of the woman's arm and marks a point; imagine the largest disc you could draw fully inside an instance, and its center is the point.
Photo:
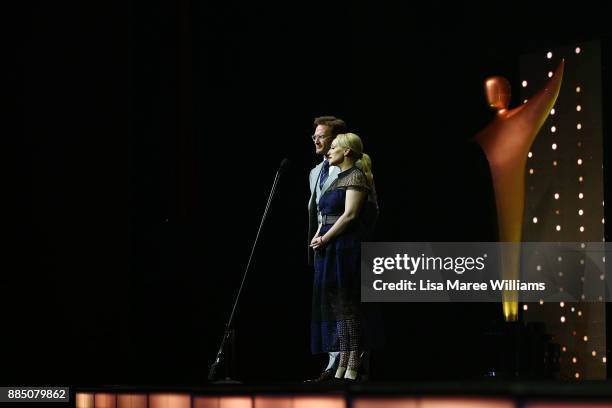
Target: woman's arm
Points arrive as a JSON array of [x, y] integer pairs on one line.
[[352, 205]]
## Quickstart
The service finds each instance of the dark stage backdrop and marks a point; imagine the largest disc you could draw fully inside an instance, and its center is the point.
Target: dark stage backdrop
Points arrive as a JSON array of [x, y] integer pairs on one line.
[[150, 134]]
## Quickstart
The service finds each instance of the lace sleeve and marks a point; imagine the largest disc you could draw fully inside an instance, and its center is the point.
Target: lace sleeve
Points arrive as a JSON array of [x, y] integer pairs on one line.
[[355, 180]]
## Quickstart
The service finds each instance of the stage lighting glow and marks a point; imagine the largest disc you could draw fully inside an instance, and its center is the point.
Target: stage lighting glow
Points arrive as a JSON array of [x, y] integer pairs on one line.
[[554, 163], [574, 360], [593, 353], [580, 196], [579, 161], [530, 171], [525, 100], [558, 228], [580, 179], [561, 304], [556, 196], [562, 319], [573, 309], [578, 89], [552, 111], [541, 301], [585, 338], [580, 313], [578, 108], [577, 375], [535, 220], [581, 228], [577, 50], [550, 74], [530, 154], [549, 55], [580, 212], [525, 307], [554, 146], [524, 83], [579, 126], [553, 129], [564, 349]]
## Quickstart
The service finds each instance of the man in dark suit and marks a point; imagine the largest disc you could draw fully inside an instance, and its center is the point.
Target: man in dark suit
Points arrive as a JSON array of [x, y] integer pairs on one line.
[[320, 178]]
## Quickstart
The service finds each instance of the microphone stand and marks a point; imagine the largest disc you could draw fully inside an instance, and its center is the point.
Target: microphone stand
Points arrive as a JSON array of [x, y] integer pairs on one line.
[[228, 335]]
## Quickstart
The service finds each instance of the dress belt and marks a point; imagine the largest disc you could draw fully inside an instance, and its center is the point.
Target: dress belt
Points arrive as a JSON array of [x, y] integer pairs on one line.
[[329, 219]]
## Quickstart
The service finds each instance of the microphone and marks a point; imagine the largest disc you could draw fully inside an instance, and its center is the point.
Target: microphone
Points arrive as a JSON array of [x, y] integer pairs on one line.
[[284, 165]]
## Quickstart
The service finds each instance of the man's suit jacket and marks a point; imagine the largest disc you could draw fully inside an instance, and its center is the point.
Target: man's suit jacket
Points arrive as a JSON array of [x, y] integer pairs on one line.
[[313, 223]]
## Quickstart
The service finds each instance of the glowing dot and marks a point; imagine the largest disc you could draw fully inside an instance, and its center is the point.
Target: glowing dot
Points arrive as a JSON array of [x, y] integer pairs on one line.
[[593, 353], [603, 359], [578, 89], [538, 268], [524, 100], [602, 277], [579, 126], [564, 349], [560, 259], [581, 228], [535, 220], [577, 375], [553, 129], [560, 274], [574, 333], [557, 212], [552, 111], [530, 171], [579, 161], [578, 108], [577, 50], [525, 307], [581, 179], [524, 83], [558, 228], [550, 74], [603, 220], [585, 338], [582, 262], [580, 212], [583, 245], [581, 196], [530, 155], [554, 146], [562, 304], [556, 196], [574, 360], [541, 301], [580, 313], [579, 144], [562, 319], [549, 55], [573, 309], [554, 163]]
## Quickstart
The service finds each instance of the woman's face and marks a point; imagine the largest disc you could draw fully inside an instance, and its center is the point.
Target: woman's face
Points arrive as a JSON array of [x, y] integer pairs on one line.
[[335, 155]]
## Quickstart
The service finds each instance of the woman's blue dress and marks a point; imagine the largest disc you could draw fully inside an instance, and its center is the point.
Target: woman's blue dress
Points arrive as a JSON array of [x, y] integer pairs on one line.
[[339, 320]]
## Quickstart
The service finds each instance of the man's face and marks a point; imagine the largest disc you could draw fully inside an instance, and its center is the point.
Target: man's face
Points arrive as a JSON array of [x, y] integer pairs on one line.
[[322, 139]]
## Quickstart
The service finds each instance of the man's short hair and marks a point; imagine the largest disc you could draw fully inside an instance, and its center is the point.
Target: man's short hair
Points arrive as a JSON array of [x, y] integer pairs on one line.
[[336, 125]]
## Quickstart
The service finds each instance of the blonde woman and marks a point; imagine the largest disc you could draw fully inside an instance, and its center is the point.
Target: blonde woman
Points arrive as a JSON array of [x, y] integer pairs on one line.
[[338, 321]]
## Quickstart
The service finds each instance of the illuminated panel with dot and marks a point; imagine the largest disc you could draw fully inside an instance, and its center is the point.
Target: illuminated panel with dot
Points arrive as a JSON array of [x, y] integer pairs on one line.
[[564, 194]]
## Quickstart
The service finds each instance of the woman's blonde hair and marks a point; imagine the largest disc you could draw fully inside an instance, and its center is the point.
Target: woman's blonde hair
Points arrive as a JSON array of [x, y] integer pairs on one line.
[[353, 142]]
